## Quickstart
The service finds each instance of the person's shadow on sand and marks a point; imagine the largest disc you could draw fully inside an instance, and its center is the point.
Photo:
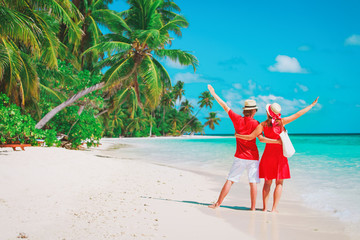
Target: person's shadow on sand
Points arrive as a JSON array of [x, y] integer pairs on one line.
[[204, 204]]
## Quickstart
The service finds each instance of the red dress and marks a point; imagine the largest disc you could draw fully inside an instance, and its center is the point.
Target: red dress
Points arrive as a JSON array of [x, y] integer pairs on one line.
[[273, 164]]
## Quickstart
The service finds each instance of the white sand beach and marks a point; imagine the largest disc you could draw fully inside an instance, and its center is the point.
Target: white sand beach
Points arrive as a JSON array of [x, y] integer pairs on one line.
[[54, 193]]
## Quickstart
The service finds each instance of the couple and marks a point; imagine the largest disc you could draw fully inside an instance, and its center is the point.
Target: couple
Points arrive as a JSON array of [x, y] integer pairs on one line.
[[273, 164]]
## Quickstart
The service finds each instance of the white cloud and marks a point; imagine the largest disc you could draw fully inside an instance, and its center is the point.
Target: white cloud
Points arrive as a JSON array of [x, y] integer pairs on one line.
[[288, 106], [190, 78], [232, 98], [252, 87], [353, 40], [303, 87], [174, 64], [304, 48], [287, 64], [237, 85]]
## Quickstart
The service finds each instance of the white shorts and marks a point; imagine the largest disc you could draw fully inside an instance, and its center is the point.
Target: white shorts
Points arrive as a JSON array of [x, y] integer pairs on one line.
[[238, 167]]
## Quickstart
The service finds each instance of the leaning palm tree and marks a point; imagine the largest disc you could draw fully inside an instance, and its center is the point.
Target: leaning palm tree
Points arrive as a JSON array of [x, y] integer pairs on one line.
[[206, 100], [132, 51], [211, 120]]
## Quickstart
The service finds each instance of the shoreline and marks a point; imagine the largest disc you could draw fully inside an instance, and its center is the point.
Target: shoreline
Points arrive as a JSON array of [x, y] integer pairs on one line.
[[290, 196], [70, 194]]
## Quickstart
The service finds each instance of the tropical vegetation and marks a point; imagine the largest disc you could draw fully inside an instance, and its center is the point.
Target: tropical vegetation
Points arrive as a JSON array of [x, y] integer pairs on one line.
[[78, 71]]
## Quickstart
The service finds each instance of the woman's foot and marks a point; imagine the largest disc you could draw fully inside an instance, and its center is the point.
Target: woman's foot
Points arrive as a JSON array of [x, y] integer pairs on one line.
[[213, 206]]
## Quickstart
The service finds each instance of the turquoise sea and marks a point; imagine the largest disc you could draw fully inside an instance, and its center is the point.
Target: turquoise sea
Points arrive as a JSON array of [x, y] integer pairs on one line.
[[325, 170]]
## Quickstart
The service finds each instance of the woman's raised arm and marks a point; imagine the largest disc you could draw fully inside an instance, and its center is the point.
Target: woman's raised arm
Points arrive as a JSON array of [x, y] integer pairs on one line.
[[258, 130], [291, 118]]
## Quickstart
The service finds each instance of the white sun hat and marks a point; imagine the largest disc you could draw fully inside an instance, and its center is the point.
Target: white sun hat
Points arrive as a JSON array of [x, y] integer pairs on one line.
[[273, 108], [250, 104]]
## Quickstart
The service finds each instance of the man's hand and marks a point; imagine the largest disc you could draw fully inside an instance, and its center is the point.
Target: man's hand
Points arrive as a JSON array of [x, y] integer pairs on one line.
[[211, 89]]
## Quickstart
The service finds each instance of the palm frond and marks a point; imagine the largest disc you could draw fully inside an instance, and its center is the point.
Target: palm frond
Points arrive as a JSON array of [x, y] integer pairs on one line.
[[110, 47], [151, 78], [164, 75], [183, 57]]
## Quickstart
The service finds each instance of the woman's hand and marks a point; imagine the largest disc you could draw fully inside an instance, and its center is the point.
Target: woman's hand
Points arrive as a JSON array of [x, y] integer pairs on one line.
[[211, 89], [315, 102]]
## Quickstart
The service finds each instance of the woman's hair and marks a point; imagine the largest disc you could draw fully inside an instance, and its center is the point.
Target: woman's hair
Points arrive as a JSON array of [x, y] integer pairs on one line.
[[268, 122], [248, 113]]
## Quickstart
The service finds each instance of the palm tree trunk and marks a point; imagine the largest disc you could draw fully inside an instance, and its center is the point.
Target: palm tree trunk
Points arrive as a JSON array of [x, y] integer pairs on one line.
[[77, 96], [150, 124], [68, 102], [192, 119], [101, 113], [164, 111]]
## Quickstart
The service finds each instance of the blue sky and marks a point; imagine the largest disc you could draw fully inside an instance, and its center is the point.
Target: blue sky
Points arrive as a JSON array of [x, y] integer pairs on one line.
[[287, 52]]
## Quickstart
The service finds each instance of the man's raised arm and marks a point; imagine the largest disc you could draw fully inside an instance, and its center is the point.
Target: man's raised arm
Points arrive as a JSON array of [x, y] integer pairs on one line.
[[218, 99]]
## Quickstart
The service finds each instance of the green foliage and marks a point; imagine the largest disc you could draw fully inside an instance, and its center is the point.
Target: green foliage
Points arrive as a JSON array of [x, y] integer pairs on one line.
[[87, 130], [79, 128], [18, 127], [15, 127], [51, 51]]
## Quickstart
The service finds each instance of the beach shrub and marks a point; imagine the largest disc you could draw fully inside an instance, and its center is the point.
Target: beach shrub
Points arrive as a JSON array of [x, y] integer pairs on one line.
[[16, 127], [87, 129]]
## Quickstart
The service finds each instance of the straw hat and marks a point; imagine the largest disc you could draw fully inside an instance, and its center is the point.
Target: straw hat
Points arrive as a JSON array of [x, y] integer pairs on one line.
[[250, 104], [275, 108]]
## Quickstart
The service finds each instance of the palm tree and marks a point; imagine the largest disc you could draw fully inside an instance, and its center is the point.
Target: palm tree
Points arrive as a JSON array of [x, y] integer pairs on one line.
[[196, 126], [178, 90], [136, 124], [175, 118], [186, 107], [206, 100], [95, 12], [115, 120], [211, 120], [28, 41], [142, 34]]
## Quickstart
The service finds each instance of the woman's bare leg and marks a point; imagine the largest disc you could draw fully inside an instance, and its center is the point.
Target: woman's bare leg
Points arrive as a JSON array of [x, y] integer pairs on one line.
[[265, 192], [224, 191], [277, 194]]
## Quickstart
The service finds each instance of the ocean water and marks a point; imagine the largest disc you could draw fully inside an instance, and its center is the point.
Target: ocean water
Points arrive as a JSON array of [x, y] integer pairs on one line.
[[325, 170]]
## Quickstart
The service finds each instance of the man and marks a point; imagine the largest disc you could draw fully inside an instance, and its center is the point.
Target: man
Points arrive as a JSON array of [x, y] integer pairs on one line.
[[247, 154]]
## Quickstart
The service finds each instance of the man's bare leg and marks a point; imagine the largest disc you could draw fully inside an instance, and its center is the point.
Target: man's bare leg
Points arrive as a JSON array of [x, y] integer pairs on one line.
[[224, 191], [277, 194], [265, 192], [253, 194]]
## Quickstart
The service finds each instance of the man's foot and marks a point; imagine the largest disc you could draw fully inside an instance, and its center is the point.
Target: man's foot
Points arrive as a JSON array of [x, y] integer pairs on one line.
[[252, 209], [264, 209], [213, 206], [275, 211]]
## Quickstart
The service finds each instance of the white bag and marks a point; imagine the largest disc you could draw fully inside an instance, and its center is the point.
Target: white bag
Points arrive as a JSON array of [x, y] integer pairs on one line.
[[288, 148]]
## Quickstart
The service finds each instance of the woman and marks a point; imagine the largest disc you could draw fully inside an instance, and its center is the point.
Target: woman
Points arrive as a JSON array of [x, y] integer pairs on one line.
[[273, 164]]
